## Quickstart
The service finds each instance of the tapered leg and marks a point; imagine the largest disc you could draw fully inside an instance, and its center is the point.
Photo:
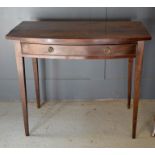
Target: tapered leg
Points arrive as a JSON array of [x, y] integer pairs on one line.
[[22, 85], [36, 80], [130, 66], [138, 70]]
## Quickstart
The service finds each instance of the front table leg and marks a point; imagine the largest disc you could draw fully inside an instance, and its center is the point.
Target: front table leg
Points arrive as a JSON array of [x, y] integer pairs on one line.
[[22, 85], [138, 70]]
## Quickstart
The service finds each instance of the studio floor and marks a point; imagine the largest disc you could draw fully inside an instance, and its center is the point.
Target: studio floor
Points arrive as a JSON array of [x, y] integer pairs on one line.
[[77, 124]]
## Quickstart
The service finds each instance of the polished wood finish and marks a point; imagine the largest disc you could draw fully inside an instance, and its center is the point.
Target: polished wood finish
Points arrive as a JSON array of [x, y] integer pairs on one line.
[[36, 80], [22, 84], [138, 71], [100, 51], [130, 66], [80, 40], [79, 32]]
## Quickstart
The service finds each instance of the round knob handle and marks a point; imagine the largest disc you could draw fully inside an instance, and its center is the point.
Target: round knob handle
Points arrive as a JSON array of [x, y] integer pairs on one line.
[[107, 50], [50, 49]]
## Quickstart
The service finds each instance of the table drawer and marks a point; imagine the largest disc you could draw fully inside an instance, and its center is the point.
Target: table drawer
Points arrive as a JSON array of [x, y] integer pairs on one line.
[[85, 50]]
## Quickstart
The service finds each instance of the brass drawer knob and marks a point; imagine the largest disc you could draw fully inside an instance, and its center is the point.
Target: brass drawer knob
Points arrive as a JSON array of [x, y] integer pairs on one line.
[[107, 50], [50, 49]]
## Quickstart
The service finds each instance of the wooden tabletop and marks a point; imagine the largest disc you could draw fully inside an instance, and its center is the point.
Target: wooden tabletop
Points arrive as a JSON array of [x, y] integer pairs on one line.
[[76, 30]]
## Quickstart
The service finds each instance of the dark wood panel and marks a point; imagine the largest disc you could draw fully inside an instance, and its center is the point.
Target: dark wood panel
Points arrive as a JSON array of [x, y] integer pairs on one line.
[[79, 31], [98, 50]]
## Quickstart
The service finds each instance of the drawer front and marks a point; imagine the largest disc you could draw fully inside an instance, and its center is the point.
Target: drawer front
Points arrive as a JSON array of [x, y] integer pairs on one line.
[[89, 50]]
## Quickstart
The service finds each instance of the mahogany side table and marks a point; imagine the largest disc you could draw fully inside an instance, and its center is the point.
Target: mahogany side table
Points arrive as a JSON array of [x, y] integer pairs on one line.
[[79, 40]]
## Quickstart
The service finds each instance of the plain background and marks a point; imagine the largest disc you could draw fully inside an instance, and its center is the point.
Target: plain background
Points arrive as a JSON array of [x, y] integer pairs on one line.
[[61, 79]]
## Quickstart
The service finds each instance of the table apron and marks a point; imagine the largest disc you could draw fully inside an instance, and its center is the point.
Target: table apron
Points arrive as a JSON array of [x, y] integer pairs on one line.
[[78, 52]]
